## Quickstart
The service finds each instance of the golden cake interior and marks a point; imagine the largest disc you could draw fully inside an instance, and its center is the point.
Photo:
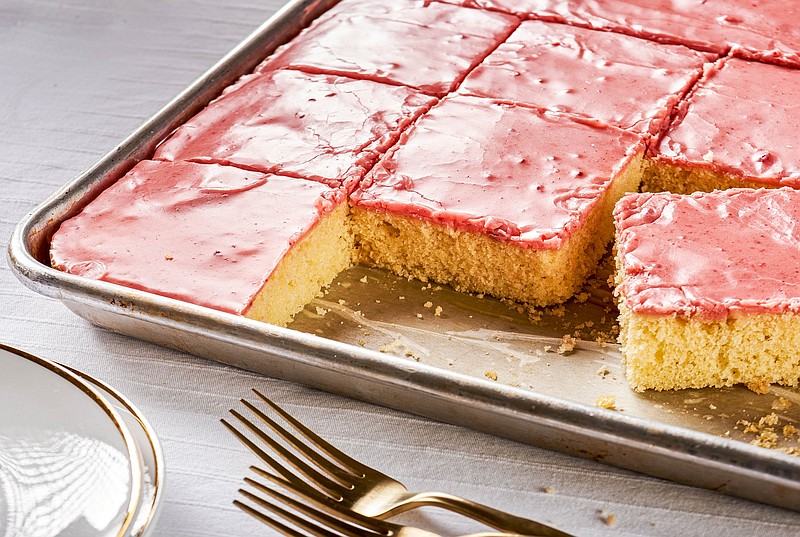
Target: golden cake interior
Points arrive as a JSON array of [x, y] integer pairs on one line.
[[468, 261], [312, 264]]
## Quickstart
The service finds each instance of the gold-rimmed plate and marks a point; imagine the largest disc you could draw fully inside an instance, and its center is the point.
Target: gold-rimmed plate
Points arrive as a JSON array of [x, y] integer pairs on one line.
[[69, 465], [152, 457]]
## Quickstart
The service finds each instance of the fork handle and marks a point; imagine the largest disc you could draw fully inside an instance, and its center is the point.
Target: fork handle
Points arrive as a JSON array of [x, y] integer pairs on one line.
[[482, 513]]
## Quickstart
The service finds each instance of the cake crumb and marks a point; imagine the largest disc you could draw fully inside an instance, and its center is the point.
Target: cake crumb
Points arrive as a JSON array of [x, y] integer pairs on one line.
[[490, 374], [168, 257], [769, 420], [410, 354], [580, 298], [428, 304], [609, 519], [548, 348], [361, 342], [438, 311], [419, 316], [789, 431], [567, 344], [764, 431], [363, 280], [321, 311], [401, 297], [781, 403], [760, 387], [389, 347], [603, 371], [709, 157], [342, 302], [548, 490], [606, 401]]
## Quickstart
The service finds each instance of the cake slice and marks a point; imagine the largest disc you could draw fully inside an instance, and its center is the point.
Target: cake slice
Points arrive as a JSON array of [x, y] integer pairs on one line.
[[709, 288], [736, 130], [238, 241], [764, 31], [319, 127], [618, 79], [496, 198], [425, 45]]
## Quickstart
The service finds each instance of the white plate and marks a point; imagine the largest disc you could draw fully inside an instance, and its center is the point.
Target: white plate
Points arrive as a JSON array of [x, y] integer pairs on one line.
[[69, 466], [149, 449]]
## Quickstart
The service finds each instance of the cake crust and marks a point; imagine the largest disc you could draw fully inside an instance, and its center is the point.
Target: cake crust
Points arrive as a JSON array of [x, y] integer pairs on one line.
[[709, 288], [463, 185]]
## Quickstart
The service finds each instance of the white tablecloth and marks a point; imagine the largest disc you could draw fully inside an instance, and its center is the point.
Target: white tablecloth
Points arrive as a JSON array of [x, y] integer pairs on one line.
[[76, 76]]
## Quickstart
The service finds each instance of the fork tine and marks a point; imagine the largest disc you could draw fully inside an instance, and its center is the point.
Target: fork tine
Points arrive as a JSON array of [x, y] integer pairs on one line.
[[356, 468], [268, 520], [325, 520], [275, 523], [324, 482], [313, 496], [260, 453], [337, 472]]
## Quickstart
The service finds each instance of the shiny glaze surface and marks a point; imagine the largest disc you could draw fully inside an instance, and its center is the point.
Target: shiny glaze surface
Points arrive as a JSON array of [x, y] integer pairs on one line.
[[470, 163], [182, 229], [622, 80], [429, 46], [741, 120], [766, 30], [540, 9], [710, 255], [319, 127]]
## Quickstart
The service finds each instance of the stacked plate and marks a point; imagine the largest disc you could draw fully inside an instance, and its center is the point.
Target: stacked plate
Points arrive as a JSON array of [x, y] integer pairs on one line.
[[76, 458]]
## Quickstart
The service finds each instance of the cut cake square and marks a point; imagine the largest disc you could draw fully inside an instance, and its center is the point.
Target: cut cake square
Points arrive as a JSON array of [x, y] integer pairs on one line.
[[709, 288], [496, 198], [238, 241], [765, 31], [425, 45], [618, 79], [320, 127], [737, 129]]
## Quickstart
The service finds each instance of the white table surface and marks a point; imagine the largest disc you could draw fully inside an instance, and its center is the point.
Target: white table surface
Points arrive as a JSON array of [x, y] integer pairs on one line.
[[76, 76]]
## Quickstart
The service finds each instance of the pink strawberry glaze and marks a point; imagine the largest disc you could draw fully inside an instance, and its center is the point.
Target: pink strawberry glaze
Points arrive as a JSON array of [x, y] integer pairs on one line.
[[202, 233], [710, 255]]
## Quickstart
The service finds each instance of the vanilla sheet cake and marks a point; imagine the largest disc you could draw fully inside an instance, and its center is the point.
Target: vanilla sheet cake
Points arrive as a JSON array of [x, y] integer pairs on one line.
[[319, 127], [496, 198], [238, 241], [737, 129], [617, 79], [424, 45], [709, 288], [476, 184], [765, 31]]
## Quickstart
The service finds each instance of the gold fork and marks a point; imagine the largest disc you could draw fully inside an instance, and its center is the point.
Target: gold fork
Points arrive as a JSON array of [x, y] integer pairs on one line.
[[309, 516], [351, 485]]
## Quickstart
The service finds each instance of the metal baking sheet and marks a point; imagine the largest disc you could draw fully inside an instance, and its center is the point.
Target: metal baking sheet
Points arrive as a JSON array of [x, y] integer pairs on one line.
[[426, 349]]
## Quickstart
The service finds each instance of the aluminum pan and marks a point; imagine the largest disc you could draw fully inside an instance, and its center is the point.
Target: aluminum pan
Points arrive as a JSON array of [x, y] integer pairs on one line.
[[540, 397]]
